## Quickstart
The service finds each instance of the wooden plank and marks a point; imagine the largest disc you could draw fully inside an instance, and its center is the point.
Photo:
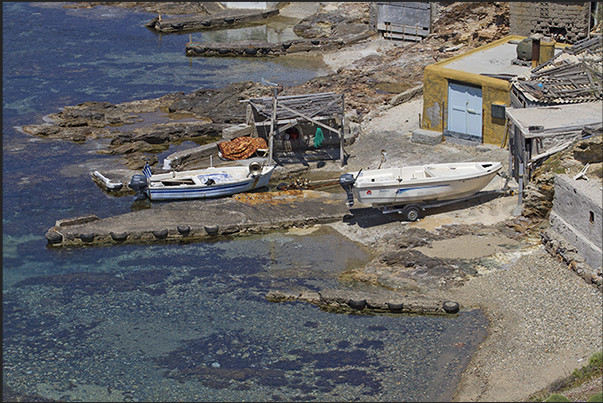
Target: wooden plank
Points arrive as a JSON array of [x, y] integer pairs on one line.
[[287, 121], [288, 97], [316, 122]]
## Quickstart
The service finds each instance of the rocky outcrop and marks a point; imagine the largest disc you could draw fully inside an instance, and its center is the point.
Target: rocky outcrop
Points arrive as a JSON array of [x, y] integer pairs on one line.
[[350, 301], [371, 82], [206, 113], [558, 247], [400, 266], [540, 191]]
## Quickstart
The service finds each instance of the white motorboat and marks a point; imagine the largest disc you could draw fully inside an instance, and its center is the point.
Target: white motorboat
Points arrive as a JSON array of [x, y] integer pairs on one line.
[[414, 185], [204, 183]]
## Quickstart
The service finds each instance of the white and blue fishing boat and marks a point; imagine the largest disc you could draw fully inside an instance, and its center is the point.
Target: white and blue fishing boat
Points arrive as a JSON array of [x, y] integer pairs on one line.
[[204, 183]]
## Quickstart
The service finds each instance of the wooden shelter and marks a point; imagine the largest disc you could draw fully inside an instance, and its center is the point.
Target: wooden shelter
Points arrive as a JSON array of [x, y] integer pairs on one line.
[[539, 132], [287, 122]]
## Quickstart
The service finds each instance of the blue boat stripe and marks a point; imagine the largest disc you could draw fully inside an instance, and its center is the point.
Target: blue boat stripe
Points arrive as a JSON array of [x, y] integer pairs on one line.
[[204, 190], [420, 187]]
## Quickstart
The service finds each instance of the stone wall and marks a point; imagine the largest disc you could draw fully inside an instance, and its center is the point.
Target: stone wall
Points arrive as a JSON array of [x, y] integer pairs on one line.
[[577, 216], [564, 22]]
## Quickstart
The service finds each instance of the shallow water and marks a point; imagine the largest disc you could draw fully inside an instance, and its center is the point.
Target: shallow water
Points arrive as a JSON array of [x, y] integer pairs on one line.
[[175, 322]]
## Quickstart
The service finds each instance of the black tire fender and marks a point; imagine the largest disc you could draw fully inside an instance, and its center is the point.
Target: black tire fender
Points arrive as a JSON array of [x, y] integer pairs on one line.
[[357, 304], [54, 237], [395, 307], [161, 234], [211, 229], [87, 237], [119, 236], [450, 306], [184, 230]]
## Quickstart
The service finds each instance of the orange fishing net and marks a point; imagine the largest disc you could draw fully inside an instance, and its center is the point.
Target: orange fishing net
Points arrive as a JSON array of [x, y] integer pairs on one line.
[[241, 147]]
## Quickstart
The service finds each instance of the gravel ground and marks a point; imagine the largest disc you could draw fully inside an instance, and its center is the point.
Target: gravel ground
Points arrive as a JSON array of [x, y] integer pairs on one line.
[[545, 320], [545, 323]]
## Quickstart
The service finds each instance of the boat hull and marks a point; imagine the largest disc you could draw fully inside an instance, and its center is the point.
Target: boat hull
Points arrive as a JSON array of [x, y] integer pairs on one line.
[[422, 184], [226, 182], [208, 191]]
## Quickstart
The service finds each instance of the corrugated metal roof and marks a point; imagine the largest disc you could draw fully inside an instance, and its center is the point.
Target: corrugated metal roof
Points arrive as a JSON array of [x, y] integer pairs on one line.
[[572, 76]]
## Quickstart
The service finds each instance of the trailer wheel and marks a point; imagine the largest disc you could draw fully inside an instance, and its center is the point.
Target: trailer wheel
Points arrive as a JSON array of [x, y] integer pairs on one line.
[[412, 212]]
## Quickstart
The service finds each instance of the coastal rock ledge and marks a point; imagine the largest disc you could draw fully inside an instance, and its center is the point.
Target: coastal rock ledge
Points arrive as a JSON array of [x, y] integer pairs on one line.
[[367, 303]]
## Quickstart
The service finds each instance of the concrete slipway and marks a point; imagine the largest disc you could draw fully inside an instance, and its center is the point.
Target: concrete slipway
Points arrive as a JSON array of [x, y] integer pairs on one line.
[[200, 219], [245, 212]]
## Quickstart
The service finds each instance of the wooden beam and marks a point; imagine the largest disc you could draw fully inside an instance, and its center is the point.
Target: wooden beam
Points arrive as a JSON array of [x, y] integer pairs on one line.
[[316, 122], [271, 134], [342, 133]]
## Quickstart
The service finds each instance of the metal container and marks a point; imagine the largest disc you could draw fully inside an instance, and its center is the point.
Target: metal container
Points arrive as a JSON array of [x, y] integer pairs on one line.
[[524, 49], [547, 49]]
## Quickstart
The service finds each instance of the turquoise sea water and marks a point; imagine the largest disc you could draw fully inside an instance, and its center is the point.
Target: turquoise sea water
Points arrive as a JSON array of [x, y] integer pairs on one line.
[[177, 322]]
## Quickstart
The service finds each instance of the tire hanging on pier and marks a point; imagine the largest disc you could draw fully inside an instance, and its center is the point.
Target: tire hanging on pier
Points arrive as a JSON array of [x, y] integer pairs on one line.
[[451, 307], [357, 304]]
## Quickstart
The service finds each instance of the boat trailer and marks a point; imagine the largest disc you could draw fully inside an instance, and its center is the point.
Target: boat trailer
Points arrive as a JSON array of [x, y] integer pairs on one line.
[[414, 211]]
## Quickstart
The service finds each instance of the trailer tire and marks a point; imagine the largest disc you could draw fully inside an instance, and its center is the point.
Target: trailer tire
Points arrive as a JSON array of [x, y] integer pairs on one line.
[[412, 212]]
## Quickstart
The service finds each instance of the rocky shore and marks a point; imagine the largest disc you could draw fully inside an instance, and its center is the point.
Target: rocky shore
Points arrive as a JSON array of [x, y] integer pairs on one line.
[[545, 319]]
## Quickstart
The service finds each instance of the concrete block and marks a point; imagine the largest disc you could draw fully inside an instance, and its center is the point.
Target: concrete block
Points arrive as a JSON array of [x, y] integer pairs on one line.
[[577, 215], [428, 137], [407, 95], [233, 132]]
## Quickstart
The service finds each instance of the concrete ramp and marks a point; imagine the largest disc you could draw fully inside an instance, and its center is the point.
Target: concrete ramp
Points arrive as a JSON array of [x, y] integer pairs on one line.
[[199, 219]]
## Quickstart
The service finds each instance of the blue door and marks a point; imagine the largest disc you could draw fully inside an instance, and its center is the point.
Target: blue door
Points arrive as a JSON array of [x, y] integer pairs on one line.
[[464, 112]]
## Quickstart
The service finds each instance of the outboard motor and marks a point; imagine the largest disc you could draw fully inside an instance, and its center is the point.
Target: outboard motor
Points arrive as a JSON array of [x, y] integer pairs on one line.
[[139, 184], [347, 181], [255, 169]]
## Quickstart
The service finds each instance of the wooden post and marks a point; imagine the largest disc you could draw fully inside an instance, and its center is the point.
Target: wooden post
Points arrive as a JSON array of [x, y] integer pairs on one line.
[[536, 49], [342, 133], [272, 124]]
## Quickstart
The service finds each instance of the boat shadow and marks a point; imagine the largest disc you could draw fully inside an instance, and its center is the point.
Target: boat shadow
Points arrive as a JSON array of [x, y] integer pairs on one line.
[[367, 217]]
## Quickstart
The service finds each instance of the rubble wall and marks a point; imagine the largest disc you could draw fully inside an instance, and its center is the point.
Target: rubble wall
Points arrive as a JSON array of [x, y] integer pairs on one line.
[[564, 22], [577, 216]]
